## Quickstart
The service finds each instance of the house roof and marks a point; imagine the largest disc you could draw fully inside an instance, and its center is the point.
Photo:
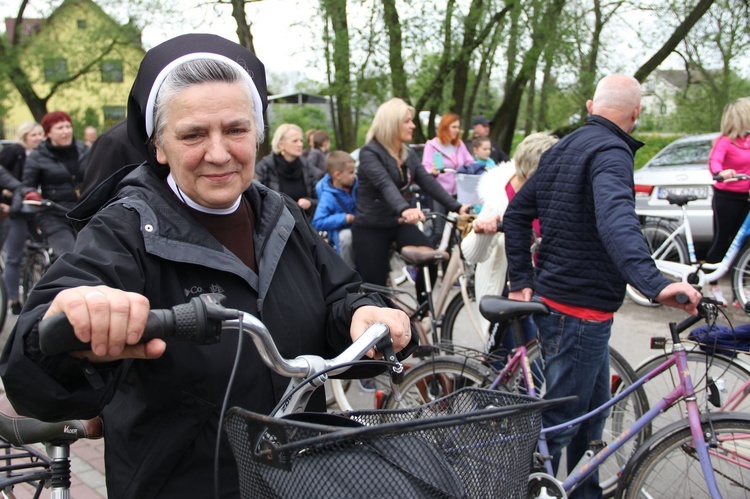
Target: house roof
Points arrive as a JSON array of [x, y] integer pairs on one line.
[[298, 98], [680, 78], [29, 27]]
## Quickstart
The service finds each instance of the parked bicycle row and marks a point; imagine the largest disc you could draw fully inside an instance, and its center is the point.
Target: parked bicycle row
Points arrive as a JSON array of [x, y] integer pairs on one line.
[[122, 327]]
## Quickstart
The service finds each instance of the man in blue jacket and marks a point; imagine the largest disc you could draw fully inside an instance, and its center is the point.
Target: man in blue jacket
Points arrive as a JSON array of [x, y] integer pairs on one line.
[[337, 202], [583, 196]]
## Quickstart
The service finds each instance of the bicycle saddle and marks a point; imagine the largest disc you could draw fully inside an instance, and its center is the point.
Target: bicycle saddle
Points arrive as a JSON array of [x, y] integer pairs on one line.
[[419, 255], [500, 309], [681, 199], [20, 430]]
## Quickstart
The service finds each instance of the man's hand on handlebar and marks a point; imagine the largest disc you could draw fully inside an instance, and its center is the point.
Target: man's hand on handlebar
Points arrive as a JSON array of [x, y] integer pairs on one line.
[[396, 320], [111, 319], [668, 296]]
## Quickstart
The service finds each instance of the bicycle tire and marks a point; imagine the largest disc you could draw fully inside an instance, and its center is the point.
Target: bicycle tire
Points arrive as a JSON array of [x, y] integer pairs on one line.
[[3, 302], [729, 375], [37, 264], [741, 277], [622, 415], [454, 315], [670, 468], [655, 233], [437, 377]]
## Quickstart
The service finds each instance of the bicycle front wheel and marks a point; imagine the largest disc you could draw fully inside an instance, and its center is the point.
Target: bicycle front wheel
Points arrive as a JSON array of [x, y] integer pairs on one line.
[[670, 468], [728, 375], [656, 233], [3, 302], [741, 277], [37, 264], [435, 378]]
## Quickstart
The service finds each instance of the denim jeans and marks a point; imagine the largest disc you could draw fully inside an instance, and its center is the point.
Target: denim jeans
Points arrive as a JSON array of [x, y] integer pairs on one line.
[[576, 354]]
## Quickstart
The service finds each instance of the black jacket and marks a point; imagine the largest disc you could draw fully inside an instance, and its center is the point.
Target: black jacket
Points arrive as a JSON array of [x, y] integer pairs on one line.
[[380, 200], [267, 174], [161, 416], [583, 195], [44, 170]]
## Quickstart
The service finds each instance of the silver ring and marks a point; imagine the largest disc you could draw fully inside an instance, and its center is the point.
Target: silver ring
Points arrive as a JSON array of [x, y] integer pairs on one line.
[[91, 294]]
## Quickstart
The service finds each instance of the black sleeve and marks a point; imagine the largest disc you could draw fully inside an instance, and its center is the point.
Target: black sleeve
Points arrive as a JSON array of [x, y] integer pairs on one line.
[[109, 153]]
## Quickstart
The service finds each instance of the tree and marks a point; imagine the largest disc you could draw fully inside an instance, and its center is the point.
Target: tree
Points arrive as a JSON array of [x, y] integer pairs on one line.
[[341, 90], [97, 43], [674, 40]]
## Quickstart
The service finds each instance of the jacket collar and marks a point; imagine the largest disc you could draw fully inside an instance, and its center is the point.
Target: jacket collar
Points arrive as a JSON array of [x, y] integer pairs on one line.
[[632, 143]]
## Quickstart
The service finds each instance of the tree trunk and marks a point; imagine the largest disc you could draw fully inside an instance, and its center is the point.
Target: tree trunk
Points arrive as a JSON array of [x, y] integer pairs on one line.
[[461, 73], [246, 40], [342, 88], [529, 126], [677, 36], [395, 47], [541, 121], [243, 28], [504, 121]]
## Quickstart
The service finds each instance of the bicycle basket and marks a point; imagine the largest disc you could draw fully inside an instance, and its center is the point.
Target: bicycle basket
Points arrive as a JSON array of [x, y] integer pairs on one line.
[[472, 443]]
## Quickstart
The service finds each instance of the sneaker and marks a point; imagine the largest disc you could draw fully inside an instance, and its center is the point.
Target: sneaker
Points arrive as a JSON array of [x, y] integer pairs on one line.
[[15, 307], [718, 294]]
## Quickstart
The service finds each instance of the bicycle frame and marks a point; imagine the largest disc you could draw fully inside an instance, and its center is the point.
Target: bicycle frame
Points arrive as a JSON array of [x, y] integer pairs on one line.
[[684, 391], [683, 271], [590, 462]]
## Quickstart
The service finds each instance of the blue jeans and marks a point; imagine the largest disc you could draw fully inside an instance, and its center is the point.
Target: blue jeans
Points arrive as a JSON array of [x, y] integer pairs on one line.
[[576, 354]]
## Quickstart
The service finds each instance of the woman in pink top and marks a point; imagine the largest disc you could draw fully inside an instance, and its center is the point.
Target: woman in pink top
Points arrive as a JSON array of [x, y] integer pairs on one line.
[[730, 156], [446, 152]]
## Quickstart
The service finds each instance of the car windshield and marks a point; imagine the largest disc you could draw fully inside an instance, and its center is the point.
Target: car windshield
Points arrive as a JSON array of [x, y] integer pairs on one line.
[[690, 153]]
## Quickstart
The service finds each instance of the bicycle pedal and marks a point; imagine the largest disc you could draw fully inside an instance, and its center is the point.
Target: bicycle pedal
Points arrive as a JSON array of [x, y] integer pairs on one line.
[[713, 393]]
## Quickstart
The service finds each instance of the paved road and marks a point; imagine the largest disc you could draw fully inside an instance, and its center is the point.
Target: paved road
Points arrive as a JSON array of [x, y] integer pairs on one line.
[[633, 327]]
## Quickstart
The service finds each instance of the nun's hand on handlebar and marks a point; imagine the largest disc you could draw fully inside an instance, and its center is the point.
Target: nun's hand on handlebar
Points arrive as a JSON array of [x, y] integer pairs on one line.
[[111, 319], [396, 320]]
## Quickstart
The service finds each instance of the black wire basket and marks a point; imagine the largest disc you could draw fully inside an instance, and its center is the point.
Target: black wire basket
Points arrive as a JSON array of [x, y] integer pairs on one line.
[[473, 443]]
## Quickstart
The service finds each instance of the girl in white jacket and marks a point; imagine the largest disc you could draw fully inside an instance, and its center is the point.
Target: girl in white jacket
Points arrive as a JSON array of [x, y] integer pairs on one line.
[[484, 245]]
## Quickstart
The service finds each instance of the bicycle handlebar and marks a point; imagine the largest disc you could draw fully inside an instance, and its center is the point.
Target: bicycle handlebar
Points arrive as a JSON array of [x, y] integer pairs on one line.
[[708, 307], [202, 320], [740, 176]]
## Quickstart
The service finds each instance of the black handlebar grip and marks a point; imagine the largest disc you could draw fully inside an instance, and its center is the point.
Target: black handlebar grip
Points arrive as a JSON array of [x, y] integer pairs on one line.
[[56, 335], [682, 298]]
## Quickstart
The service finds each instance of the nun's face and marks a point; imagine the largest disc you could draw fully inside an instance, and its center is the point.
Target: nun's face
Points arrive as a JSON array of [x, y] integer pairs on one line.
[[209, 141]]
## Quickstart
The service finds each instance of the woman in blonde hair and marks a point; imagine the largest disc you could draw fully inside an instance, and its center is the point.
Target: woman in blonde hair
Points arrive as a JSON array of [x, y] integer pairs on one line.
[[730, 156], [13, 157], [485, 246], [386, 169], [286, 171]]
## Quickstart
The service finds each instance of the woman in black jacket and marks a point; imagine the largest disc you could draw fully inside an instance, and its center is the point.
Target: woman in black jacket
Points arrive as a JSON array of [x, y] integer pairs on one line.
[[386, 168], [54, 167], [286, 171], [190, 220], [29, 135]]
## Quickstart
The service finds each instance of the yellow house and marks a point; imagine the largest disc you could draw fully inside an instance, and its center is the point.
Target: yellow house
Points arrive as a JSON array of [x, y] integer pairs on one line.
[[85, 53]]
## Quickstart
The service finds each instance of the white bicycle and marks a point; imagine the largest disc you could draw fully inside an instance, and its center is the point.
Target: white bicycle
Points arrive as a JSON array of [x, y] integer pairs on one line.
[[671, 246]]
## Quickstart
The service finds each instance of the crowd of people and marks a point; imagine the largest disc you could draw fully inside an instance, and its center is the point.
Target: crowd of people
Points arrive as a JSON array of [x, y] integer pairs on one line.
[[188, 208]]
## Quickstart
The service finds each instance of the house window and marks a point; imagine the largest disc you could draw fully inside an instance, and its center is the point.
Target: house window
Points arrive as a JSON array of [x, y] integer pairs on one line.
[[82, 24], [111, 71], [55, 69], [113, 115]]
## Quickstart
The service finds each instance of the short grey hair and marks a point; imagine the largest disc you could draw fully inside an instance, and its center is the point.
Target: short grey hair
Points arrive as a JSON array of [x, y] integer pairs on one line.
[[195, 72]]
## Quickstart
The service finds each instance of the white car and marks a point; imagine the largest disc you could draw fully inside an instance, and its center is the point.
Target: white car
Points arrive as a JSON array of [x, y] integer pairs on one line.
[[680, 168]]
